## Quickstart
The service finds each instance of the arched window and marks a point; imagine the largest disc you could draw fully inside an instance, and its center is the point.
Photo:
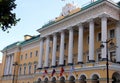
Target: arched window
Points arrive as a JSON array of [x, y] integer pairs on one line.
[[39, 80], [24, 70], [20, 70], [53, 80], [72, 79], [116, 77], [29, 69], [62, 80], [95, 78], [46, 80], [82, 79]]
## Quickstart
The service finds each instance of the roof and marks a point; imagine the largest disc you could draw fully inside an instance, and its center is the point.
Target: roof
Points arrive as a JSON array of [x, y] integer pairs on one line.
[[11, 45], [82, 9], [22, 43], [34, 38]]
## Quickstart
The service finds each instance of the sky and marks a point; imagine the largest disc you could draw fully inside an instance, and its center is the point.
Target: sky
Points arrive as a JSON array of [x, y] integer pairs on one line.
[[34, 14]]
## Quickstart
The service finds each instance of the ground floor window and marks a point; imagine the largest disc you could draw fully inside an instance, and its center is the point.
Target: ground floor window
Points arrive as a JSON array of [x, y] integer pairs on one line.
[[113, 56]]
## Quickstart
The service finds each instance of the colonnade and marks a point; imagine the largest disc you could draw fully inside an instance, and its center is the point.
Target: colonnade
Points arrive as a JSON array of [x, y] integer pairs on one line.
[[8, 64], [70, 44]]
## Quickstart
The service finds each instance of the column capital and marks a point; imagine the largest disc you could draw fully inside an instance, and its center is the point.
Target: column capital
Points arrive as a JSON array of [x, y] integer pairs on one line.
[[80, 24], [55, 33], [104, 15], [70, 28], [47, 36], [42, 38], [61, 31], [90, 20]]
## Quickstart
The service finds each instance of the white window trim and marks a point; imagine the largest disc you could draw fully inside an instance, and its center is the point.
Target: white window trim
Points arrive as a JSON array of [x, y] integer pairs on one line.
[[109, 54], [114, 32]]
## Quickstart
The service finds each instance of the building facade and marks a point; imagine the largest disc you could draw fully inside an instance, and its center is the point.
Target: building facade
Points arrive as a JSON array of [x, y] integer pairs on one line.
[[68, 49]]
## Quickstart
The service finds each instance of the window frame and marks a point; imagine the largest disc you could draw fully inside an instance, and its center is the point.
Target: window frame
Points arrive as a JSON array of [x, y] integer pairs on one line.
[[31, 54], [21, 57], [26, 56], [36, 53], [29, 69], [112, 55], [112, 36], [99, 36]]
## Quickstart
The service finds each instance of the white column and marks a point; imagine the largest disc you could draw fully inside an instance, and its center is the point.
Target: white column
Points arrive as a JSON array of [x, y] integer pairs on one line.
[[8, 61], [5, 69], [47, 52], [11, 65], [70, 49], [118, 42], [91, 40], [40, 60], [54, 49], [61, 59], [104, 35], [80, 44]]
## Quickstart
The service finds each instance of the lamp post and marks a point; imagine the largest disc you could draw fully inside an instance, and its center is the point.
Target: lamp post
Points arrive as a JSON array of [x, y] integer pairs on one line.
[[14, 64], [107, 42]]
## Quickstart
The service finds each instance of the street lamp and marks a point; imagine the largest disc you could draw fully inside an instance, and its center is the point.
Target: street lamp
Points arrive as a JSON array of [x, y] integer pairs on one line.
[[102, 46], [14, 64]]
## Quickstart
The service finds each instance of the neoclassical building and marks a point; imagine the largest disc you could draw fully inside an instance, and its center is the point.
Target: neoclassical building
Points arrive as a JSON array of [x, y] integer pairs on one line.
[[82, 45]]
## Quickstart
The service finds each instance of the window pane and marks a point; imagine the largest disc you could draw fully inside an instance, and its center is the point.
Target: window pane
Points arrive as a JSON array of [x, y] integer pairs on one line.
[[99, 36], [36, 54], [112, 56], [112, 33], [30, 54]]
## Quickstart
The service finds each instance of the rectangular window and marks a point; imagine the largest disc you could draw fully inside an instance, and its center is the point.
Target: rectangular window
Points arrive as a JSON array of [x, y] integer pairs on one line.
[[29, 69], [56, 63], [36, 53], [30, 54], [113, 56], [20, 69], [24, 70], [21, 57], [99, 57], [35, 67], [99, 37], [25, 56], [112, 33]]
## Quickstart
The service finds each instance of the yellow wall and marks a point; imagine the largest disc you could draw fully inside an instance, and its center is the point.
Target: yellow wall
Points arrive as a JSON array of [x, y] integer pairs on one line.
[[34, 58]]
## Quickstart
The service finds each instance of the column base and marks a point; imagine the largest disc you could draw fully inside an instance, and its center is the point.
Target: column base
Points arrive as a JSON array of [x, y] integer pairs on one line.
[[91, 60], [104, 59], [46, 67], [118, 62], [70, 63], [60, 65], [53, 66], [80, 63], [39, 68]]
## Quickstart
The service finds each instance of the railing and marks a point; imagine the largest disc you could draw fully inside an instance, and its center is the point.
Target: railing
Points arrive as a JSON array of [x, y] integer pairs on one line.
[[81, 67], [77, 67], [7, 77], [26, 76]]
